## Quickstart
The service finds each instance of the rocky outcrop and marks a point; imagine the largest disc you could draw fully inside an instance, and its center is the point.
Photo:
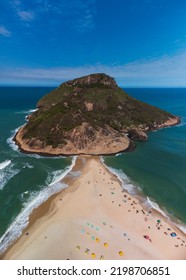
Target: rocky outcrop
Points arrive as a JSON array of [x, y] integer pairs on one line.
[[137, 134], [83, 139], [89, 115], [93, 80]]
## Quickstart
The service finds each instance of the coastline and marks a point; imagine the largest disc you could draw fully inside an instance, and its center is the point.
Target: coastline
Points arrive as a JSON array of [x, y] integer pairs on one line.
[[104, 145], [107, 146], [94, 218]]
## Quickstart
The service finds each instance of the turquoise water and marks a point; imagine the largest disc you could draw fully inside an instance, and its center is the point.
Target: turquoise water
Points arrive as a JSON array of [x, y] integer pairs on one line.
[[156, 167], [24, 179]]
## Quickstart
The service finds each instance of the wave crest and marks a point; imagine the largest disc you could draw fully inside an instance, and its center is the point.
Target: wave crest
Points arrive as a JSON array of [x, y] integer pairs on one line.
[[36, 199]]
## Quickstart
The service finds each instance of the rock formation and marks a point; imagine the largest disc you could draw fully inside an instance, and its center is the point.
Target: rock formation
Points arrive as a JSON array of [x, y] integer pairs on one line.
[[89, 115]]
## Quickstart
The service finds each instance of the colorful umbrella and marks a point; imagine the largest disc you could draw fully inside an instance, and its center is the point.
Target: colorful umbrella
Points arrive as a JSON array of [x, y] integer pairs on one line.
[[146, 236], [93, 255]]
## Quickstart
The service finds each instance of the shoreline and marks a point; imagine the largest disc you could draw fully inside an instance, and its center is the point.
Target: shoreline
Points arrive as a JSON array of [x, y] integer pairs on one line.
[[67, 205]]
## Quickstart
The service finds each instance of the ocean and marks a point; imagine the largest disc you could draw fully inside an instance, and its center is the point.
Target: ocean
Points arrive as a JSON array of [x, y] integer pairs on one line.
[[155, 170]]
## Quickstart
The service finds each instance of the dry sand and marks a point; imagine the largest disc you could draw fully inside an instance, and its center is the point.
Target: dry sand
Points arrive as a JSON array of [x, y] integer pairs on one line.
[[95, 219]]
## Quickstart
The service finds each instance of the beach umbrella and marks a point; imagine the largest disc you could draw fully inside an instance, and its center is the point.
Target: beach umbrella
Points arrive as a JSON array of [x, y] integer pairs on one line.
[[106, 244], [78, 247], [101, 257], [121, 253], [97, 239], [158, 221], [146, 236], [93, 255], [173, 234], [87, 251]]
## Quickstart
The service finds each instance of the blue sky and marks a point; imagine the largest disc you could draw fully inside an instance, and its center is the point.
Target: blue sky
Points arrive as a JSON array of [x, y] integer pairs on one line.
[[138, 42]]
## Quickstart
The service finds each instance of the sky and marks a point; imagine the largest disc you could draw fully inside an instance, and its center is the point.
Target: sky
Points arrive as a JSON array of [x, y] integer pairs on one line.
[[141, 43]]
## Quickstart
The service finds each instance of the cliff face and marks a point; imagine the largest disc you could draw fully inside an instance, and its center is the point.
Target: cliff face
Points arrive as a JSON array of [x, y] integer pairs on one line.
[[89, 115]]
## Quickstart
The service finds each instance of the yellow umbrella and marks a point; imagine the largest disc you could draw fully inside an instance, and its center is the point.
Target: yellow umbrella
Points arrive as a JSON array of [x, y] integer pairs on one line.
[[97, 239], [106, 244], [121, 253], [93, 255]]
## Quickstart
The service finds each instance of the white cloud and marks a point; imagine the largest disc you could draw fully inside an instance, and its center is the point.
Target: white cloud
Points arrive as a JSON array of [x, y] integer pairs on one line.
[[26, 15], [4, 31], [77, 14], [164, 71]]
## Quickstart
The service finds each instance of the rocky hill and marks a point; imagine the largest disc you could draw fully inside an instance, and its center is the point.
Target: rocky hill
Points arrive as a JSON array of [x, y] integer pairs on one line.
[[89, 115]]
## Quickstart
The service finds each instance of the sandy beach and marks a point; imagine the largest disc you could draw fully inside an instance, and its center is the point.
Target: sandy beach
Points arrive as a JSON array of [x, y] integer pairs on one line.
[[94, 218]]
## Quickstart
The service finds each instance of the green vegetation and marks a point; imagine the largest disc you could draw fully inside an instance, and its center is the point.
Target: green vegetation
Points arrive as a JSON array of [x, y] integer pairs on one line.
[[94, 99]]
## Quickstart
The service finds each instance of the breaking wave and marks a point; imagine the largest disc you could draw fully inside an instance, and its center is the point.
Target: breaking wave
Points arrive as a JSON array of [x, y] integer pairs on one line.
[[35, 199], [4, 164], [26, 111], [10, 140], [7, 171], [123, 178]]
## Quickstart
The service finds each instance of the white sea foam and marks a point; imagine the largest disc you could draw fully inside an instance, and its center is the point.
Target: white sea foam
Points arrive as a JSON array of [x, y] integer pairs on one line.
[[123, 178], [36, 199], [119, 154], [10, 140], [4, 164], [182, 228], [27, 165], [26, 112], [7, 173], [183, 122], [40, 156], [135, 189], [154, 205]]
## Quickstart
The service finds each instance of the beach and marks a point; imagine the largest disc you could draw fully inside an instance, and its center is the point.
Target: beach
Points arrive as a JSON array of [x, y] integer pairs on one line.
[[95, 218]]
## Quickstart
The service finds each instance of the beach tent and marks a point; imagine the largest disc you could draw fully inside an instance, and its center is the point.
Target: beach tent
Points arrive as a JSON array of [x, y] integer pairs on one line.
[[120, 253]]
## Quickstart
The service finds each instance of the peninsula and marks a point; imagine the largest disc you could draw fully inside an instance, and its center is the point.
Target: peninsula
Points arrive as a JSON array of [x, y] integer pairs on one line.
[[93, 217], [89, 115]]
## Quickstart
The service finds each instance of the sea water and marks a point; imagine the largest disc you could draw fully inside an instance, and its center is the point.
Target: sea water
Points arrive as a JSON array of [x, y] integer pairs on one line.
[[25, 180], [156, 168]]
